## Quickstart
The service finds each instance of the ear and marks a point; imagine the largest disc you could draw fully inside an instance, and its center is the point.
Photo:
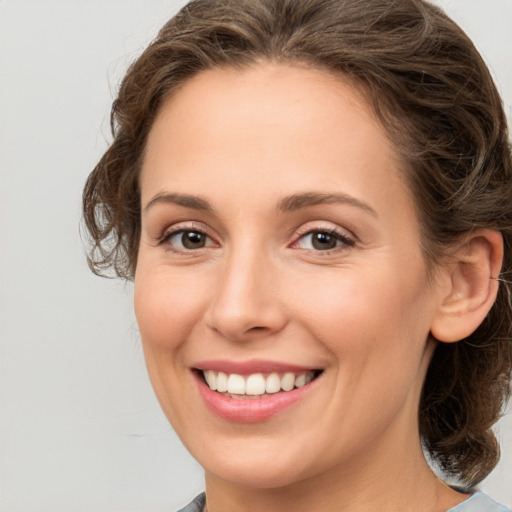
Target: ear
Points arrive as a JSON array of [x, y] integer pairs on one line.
[[470, 286]]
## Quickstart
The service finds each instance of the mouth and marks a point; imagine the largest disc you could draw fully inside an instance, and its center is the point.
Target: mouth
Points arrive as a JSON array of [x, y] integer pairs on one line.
[[253, 396], [255, 385]]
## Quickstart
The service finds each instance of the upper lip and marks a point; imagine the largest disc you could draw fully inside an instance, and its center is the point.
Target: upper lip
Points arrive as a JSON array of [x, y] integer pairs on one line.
[[251, 366]]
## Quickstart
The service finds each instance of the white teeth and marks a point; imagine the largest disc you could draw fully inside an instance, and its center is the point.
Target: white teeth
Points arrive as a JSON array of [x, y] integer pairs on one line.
[[256, 384], [211, 379], [222, 382], [288, 382], [299, 381], [273, 384], [236, 384]]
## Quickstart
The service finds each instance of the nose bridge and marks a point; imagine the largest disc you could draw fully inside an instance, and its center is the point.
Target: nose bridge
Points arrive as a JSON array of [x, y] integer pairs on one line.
[[246, 299]]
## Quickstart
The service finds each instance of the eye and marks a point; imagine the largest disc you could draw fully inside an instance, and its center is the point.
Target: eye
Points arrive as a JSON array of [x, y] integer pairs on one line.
[[187, 240], [323, 240]]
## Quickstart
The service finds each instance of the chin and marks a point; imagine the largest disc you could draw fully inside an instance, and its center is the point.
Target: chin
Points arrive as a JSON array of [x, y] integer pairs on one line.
[[256, 466], [268, 476]]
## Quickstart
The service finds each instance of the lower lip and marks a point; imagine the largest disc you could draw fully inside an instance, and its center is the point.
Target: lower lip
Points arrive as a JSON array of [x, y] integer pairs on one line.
[[250, 410]]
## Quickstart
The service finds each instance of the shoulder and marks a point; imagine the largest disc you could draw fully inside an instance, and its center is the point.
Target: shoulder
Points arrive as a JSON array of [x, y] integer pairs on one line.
[[196, 505], [479, 502]]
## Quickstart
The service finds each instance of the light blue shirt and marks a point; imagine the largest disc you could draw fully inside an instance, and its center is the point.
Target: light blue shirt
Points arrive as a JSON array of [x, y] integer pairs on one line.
[[477, 502]]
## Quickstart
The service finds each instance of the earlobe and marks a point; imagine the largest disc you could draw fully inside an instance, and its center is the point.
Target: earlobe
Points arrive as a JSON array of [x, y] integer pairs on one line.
[[471, 286]]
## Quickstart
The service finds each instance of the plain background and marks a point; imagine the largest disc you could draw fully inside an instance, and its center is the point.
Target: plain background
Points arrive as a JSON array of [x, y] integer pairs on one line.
[[80, 428]]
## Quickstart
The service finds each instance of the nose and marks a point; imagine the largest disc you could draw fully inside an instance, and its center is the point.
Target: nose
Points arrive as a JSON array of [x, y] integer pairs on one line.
[[246, 301]]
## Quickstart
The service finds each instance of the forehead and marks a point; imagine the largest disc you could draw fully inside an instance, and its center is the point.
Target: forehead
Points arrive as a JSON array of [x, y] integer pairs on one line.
[[289, 126]]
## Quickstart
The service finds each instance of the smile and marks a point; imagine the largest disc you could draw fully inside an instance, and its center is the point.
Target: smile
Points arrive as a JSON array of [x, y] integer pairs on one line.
[[255, 385], [242, 394]]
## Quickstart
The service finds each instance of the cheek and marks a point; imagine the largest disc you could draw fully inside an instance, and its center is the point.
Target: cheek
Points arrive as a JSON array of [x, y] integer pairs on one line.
[[376, 327], [373, 315], [166, 307]]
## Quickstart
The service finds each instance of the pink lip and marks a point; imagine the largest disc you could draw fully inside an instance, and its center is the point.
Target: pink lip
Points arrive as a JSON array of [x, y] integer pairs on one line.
[[250, 410], [252, 366]]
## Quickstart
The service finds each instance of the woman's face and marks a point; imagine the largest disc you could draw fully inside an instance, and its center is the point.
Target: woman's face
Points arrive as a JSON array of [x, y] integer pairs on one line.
[[279, 244]]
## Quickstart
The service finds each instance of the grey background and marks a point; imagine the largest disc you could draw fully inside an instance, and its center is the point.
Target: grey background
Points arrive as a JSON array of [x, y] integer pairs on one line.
[[80, 429]]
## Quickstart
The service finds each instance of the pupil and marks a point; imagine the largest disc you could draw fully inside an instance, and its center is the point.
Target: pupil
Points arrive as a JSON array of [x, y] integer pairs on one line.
[[323, 241], [193, 240]]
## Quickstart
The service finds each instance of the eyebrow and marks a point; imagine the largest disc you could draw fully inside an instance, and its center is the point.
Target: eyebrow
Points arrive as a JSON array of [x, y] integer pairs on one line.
[[185, 200], [287, 204], [297, 201]]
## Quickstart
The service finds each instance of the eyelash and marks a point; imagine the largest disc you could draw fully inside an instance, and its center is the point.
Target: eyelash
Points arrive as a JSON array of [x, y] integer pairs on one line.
[[345, 241], [168, 235]]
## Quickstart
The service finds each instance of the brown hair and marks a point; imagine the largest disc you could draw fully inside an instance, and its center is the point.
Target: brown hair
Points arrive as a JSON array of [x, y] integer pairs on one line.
[[434, 95]]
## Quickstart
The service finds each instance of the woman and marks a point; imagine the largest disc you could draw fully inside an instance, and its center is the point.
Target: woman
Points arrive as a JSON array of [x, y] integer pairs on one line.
[[314, 199]]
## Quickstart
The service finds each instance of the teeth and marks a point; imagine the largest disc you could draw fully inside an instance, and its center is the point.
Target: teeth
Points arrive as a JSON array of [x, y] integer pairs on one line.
[[236, 384], [300, 380], [222, 382], [211, 379], [288, 382], [255, 384], [273, 384]]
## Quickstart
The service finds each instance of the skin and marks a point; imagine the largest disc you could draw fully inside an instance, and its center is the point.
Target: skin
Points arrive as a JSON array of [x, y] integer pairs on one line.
[[242, 141]]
